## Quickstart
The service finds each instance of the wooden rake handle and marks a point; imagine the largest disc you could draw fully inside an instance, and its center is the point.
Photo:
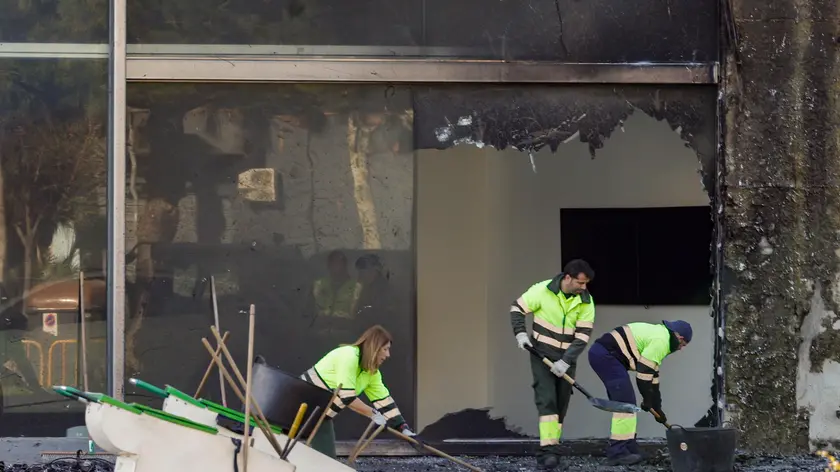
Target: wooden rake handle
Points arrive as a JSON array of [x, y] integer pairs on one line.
[[210, 367], [364, 441], [436, 452]]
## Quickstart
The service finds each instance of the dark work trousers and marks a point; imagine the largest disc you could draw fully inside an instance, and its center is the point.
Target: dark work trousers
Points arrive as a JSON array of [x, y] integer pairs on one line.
[[324, 440], [551, 394], [619, 388]]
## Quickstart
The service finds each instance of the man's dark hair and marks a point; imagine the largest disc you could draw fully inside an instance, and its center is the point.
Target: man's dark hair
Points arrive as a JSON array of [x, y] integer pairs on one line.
[[336, 256], [576, 267], [368, 261]]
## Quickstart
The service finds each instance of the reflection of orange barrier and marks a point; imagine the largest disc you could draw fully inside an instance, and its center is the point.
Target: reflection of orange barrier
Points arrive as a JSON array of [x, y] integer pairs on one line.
[[29, 343], [63, 343]]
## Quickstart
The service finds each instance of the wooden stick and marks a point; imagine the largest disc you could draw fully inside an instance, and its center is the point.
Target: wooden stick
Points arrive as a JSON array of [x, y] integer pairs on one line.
[[84, 330], [249, 378], [358, 452], [323, 415], [433, 450], [260, 420], [371, 438], [352, 456], [238, 375], [236, 372], [210, 368], [294, 429], [297, 437], [219, 327]]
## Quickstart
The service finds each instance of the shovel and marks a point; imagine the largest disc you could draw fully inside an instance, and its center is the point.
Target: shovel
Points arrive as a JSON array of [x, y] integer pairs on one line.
[[656, 415], [600, 403]]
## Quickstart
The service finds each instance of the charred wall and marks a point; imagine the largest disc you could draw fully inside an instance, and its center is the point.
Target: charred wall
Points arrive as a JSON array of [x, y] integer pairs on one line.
[[782, 140]]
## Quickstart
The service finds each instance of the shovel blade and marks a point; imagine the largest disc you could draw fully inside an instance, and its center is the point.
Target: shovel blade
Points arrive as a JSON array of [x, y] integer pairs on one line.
[[613, 406]]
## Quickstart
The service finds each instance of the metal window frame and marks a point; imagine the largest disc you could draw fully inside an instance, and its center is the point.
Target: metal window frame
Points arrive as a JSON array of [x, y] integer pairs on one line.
[[115, 268], [250, 68]]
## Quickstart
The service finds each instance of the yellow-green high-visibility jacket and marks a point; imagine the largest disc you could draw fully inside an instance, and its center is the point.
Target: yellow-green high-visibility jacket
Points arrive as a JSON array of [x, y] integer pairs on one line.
[[641, 347], [340, 303], [562, 323], [341, 367]]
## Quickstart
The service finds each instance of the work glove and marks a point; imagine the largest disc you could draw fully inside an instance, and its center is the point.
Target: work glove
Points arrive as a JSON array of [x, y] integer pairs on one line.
[[408, 432], [648, 405], [522, 340], [660, 416], [559, 368], [378, 418]]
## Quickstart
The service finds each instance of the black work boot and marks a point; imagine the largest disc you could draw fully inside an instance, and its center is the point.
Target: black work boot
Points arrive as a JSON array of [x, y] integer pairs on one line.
[[627, 459], [548, 461]]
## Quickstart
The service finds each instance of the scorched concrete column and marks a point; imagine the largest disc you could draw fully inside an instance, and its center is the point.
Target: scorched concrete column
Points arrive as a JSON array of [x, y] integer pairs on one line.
[[782, 224]]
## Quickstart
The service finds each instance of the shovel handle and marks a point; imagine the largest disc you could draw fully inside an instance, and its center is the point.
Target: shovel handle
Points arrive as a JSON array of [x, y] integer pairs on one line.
[[434, 451], [68, 391], [148, 387], [566, 377], [656, 415], [298, 419]]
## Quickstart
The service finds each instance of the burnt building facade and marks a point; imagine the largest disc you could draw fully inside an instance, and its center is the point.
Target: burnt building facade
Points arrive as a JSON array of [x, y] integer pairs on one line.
[[419, 165]]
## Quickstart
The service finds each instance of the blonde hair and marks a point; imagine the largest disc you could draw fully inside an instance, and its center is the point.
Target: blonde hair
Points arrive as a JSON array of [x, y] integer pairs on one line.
[[370, 343]]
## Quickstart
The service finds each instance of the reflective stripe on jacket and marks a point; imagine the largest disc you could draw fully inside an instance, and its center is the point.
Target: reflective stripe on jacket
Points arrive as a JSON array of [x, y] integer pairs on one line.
[[341, 366], [562, 324]]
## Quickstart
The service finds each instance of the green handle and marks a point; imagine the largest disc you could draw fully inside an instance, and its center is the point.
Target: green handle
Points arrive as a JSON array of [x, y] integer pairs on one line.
[[149, 387], [71, 392], [63, 393]]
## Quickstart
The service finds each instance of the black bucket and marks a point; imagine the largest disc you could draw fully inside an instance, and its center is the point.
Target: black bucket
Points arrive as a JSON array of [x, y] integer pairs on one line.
[[279, 396], [702, 449]]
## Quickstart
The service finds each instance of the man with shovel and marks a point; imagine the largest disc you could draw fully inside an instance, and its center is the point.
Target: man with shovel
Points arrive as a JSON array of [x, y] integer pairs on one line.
[[564, 315], [639, 347]]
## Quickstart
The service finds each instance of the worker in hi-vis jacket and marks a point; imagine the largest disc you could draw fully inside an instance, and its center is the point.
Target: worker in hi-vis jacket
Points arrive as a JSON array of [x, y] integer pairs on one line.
[[564, 315], [356, 368], [638, 347]]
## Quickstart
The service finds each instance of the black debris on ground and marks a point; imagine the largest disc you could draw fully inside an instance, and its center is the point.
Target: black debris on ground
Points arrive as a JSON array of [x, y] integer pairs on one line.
[[70, 464], [744, 463], [579, 464]]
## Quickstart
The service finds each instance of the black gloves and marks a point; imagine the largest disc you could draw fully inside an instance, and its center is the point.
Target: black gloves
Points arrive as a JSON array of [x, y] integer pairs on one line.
[[657, 412], [651, 404], [660, 417]]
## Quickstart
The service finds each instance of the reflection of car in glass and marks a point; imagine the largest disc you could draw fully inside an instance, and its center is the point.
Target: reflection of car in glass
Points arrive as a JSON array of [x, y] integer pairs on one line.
[[39, 346]]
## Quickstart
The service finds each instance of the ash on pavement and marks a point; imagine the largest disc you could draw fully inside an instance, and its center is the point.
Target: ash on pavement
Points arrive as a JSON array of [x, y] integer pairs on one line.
[[485, 463], [578, 464]]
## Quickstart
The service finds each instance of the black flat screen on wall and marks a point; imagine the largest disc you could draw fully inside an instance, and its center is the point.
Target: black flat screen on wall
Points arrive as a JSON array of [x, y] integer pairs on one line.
[[642, 256]]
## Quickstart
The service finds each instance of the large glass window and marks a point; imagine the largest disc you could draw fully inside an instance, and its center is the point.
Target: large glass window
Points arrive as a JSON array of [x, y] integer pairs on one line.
[[591, 31], [53, 21], [52, 230], [297, 199]]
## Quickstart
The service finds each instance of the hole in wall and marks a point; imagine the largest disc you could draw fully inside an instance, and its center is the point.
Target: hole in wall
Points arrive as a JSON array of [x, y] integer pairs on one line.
[[489, 226]]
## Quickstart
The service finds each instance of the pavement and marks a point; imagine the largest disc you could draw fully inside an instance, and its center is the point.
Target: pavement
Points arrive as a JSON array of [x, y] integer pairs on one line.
[[486, 464], [580, 464]]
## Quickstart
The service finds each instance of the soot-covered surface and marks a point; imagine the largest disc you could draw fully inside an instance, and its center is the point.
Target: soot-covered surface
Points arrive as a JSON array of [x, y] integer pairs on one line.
[[61, 465], [580, 464], [487, 463]]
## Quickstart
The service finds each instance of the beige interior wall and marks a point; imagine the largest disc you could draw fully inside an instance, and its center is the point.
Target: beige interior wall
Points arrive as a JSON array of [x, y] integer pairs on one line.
[[645, 164], [451, 299]]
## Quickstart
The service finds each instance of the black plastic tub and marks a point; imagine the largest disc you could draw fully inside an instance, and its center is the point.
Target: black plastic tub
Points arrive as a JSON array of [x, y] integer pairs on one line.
[[702, 449], [279, 395]]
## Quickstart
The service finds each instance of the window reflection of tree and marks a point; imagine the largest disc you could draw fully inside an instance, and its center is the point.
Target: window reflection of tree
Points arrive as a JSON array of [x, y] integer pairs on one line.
[[52, 187]]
